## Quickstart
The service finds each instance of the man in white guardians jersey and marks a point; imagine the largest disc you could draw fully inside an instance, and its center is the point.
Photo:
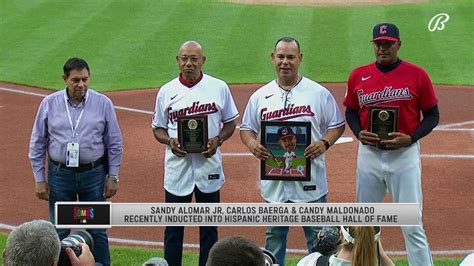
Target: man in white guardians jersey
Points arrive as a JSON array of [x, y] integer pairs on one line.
[[193, 94], [292, 97]]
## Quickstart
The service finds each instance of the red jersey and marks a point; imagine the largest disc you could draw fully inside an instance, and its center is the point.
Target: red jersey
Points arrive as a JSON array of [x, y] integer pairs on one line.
[[408, 87]]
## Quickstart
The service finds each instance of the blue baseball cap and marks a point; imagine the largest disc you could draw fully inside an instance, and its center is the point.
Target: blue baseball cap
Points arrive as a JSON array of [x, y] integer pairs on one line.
[[386, 31]]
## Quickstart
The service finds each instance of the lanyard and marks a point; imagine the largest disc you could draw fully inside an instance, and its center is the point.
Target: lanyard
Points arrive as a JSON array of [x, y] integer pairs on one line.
[[73, 128]]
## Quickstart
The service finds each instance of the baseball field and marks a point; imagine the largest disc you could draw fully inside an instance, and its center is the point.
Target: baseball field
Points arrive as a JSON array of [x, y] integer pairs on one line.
[[132, 44]]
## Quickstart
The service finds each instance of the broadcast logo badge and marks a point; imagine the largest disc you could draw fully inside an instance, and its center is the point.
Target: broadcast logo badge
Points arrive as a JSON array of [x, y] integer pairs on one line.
[[76, 214], [83, 215]]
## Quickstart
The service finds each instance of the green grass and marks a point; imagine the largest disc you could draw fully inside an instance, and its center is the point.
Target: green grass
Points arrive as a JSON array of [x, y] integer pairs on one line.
[[132, 44], [136, 256], [296, 162]]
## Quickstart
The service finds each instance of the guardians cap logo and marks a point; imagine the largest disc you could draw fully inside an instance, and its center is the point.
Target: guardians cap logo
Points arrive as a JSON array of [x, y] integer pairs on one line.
[[285, 132], [386, 31], [83, 214]]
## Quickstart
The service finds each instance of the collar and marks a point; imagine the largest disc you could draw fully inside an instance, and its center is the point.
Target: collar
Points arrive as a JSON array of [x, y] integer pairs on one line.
[[300, 78], [386, 69], [84, 99], [190, 84]]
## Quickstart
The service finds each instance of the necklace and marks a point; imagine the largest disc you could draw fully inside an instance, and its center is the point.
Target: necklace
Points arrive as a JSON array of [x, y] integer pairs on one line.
[[287, 93]]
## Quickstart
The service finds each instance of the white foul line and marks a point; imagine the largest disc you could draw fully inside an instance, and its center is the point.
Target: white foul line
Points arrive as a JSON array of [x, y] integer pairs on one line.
[[453, 129], [455, 156], [134, 110], [455, 124], [44, 95], [23, 92]]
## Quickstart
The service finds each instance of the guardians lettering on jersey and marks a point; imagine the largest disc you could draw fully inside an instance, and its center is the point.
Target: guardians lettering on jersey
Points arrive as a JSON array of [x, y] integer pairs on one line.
[[387, 95], [195, 109], [291, 111]]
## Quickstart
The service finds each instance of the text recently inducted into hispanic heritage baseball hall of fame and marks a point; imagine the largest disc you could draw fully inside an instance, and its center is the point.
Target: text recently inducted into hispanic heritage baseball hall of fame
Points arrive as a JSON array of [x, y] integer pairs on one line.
[[263, 214]]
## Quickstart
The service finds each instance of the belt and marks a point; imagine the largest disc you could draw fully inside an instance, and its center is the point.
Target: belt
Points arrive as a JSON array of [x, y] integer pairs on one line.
[[82, 167], [384, 148]]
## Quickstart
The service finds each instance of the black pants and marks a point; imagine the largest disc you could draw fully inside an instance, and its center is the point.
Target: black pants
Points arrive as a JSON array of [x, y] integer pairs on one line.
[[174, 234]]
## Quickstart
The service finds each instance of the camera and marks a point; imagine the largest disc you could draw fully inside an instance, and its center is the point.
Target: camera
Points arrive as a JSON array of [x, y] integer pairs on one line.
[[270, 259], [327, 241], [72, 241]]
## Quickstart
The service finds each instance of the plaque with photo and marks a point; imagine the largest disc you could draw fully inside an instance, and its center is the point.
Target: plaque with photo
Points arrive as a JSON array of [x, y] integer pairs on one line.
[[193, 133]]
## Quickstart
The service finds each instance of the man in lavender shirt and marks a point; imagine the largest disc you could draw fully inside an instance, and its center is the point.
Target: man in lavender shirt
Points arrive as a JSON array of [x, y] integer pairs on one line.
[[77, 133]]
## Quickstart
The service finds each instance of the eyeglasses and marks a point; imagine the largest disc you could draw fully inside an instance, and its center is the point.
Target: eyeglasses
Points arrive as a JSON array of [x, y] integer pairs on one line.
[[193, 59]]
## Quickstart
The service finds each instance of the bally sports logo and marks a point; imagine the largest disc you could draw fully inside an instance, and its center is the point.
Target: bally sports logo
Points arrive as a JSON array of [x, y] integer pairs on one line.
[[387, 95], [83, 214], [291, 111]]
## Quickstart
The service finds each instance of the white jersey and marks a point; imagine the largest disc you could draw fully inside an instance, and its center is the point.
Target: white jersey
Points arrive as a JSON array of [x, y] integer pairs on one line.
[[210, 97], [307, 101]]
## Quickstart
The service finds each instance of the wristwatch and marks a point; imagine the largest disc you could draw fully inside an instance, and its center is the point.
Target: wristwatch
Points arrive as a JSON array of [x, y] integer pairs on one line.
[[114, 178]]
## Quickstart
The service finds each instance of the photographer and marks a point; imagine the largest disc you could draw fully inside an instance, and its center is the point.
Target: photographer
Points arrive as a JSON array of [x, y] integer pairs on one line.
[[85, 259], [360, 246], [37, 243], [235, 251]]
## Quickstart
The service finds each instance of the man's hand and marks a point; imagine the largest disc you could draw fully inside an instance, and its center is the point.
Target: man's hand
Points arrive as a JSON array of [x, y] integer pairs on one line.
[[110, 188], [176, 148], [212, 145], [258, 150], [250, 139], [314, 149], [42, 190], [399, 140], [369, 138], [85, 259]]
